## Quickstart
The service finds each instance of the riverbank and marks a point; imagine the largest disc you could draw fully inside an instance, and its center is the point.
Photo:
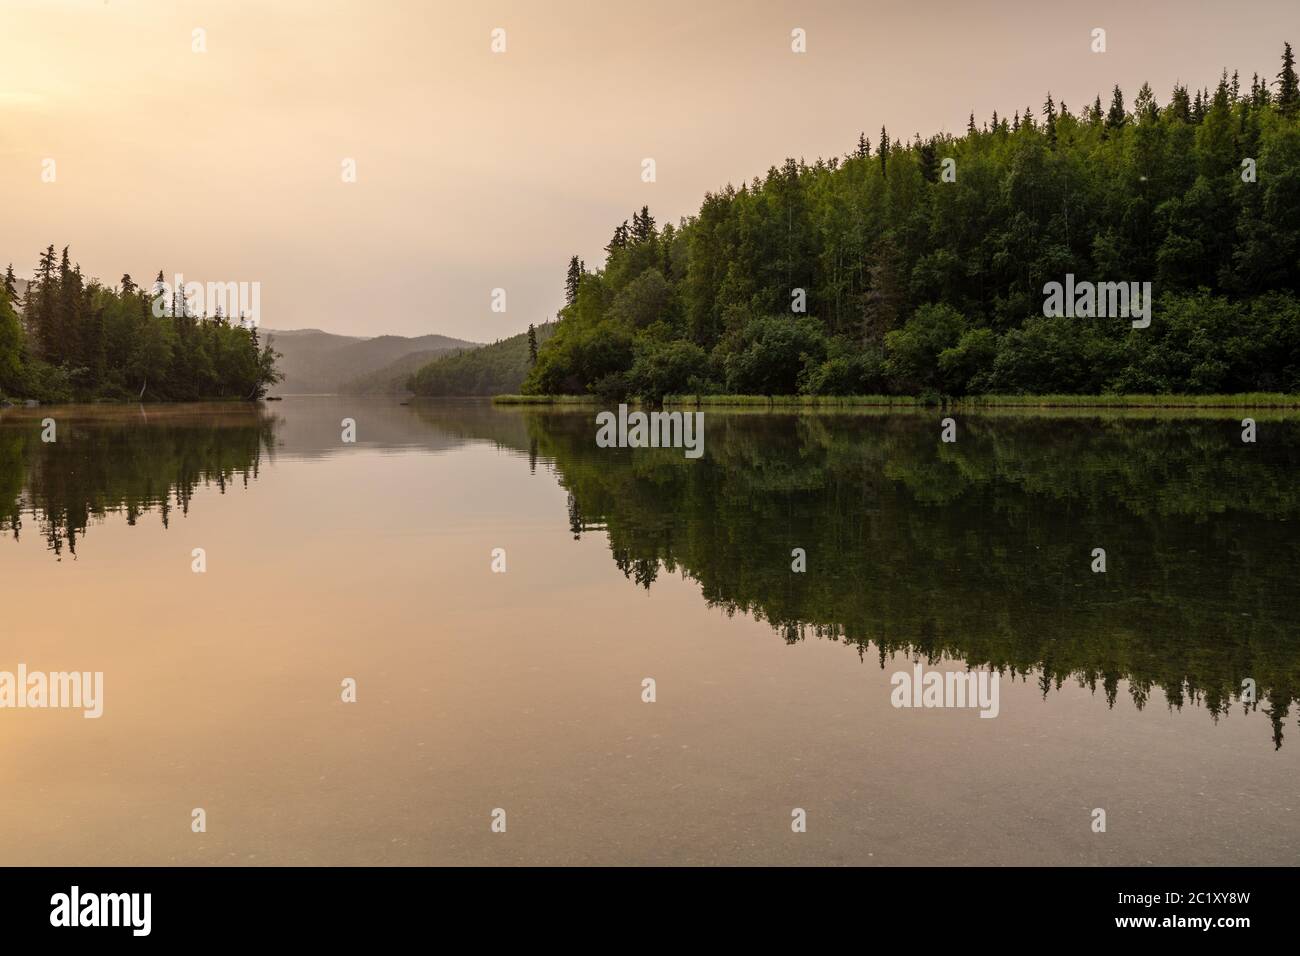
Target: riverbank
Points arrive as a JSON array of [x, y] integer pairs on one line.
[[10, 402], [1245, 400]]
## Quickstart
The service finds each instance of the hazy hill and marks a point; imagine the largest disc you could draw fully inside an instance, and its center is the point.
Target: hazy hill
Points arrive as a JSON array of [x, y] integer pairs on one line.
[[496, 369], [392, 379], [321, 362]]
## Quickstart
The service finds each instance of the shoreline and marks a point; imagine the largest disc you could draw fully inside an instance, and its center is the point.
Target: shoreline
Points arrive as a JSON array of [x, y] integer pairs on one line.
[[1244, 400]]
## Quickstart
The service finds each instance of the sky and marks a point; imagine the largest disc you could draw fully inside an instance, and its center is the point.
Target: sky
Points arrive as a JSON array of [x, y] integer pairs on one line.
[[479, 170]]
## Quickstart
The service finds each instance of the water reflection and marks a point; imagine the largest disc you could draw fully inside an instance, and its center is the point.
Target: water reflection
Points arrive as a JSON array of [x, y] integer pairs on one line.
[[978, 550], [118, 460]]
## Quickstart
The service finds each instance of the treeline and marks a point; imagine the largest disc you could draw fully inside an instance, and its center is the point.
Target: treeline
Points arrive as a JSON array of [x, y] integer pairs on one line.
[[499, 368], [919, 266], [71, 338]]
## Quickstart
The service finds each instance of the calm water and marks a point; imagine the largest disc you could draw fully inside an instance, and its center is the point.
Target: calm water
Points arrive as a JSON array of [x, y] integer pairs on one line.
[[523, 690]]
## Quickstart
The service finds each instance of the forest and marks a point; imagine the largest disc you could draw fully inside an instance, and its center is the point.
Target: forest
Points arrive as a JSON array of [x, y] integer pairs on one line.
[[487, 370], [69, 338], [918, 267]]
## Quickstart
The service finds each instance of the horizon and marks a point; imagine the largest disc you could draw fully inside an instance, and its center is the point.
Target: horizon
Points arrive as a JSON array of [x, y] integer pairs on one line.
[[294, 86]]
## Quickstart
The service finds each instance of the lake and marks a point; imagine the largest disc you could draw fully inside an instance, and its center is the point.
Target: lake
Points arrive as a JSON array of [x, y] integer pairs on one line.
[[499, 591]]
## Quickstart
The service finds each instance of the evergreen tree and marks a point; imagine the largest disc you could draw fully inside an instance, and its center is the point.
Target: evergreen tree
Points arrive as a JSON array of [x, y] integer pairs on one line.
[[572, 280], [1144, 106], [620, 239], [1180, 106], [643, 225], [864, 146], [84, 341], [40, 306], [1152, 193], [532, 344], [1288, 93], [1116, 116], [1260, 94], [928, 159]]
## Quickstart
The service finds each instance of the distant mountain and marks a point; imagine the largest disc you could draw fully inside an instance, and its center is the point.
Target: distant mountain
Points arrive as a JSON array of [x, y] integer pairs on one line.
[[316, 362], [392, 378], [496, 369]]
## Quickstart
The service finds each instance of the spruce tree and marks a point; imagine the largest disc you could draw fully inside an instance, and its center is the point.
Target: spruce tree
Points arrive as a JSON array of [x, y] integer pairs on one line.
[[532, 344], [40, 305], [643, 225], [1288, 92], [619, 241], [1144, 106], [1180, 105], [572, 280], [929, 160], [1115, 116]]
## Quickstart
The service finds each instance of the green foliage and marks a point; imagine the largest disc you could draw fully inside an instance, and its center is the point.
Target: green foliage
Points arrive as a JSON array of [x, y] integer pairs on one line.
[[489, 370], [580, 359], [11, 340], [914, 349], [772, 355], [846, 371], [663, 369], [78, 340], [917, 282]]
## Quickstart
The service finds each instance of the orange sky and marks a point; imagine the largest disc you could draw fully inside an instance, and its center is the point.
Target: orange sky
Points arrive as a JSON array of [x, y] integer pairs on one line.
[[479, 170]]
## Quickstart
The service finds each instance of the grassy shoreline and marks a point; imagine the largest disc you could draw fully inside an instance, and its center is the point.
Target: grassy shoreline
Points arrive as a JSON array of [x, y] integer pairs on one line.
[[1245, 400], [545, 400]]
